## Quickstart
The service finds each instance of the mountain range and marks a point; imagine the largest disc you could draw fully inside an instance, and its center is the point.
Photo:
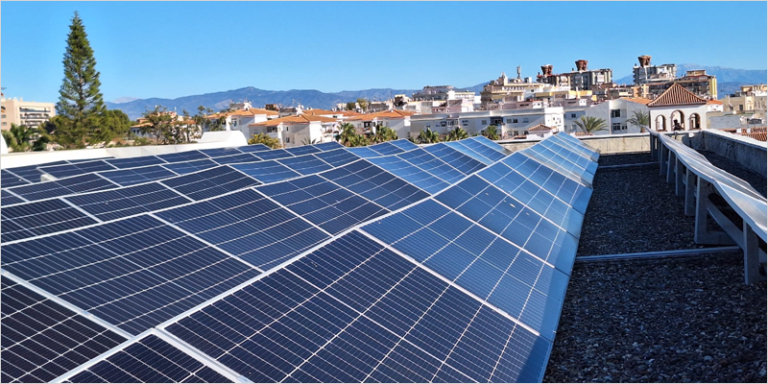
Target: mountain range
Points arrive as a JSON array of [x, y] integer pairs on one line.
[[728, 79]]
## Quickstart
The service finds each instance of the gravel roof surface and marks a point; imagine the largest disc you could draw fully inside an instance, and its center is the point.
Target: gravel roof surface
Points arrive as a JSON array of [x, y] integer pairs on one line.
[[755, 179], [671, 320], [634, 210]]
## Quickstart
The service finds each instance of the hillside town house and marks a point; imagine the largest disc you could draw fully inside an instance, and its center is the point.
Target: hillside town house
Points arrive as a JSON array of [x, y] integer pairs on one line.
[[399, 121], [294, 131]]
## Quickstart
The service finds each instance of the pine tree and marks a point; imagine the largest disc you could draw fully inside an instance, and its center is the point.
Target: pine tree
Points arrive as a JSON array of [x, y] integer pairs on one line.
[[80, 105]]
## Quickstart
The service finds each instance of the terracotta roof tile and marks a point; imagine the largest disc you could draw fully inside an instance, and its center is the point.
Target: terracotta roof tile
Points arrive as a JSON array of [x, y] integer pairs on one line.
[[717, 102], [540, 127], [299, 119], [394, 114], [676, 95], [638, 100]]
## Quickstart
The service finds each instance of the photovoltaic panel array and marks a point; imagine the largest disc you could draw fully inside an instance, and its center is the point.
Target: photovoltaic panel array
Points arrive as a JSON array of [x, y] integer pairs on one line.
[[389, 263]]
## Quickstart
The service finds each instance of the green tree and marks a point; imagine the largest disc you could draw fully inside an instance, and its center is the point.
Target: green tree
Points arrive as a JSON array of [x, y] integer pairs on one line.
[[347, 133], [591, 124], [160, 124], [384, 133], [359, 141], [363, 103], [351, 106], [117, 122], [640, 119], [265, 139], [307, 141], [457, 133], [18, 138], [491, 132], [428, 136], [80, 104]]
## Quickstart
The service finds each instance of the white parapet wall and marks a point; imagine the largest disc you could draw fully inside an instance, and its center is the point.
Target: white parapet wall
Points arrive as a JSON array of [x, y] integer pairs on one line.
[[222, 139]]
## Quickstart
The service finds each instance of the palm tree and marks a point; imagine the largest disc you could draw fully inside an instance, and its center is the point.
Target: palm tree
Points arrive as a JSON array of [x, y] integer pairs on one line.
[[384, 133], [307, 141], [358, 141], [491, 133], [640, 119], [265, 139], [347, 132], [457, 133], [18, 137], [428, 137], [591, 124]]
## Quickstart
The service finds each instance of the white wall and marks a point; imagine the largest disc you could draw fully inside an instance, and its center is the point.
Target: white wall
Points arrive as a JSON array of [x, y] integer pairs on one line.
[[687, 110], [603, 111]]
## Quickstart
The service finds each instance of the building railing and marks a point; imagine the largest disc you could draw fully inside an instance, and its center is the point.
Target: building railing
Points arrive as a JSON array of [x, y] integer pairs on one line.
[[698, 181]]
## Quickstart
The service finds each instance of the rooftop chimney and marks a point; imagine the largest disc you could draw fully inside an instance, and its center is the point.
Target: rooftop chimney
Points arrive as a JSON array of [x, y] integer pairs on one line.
[[581, 65], [518, 71], [645, 61], [546, 70]]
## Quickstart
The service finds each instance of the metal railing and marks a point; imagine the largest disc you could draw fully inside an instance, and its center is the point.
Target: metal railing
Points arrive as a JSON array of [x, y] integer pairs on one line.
[[698, 180]]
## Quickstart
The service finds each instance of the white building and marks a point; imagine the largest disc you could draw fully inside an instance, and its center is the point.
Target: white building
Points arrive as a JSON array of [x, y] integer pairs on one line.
[[442, 93], [294, 131], [678, 109], [241, 118], [509, 123], [399, 121], [615, 113]]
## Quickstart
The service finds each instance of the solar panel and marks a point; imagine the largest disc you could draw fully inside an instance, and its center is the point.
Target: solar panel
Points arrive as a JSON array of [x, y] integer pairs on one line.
[[386, 148], [559, 164], [183, 156], [210, 183], [375, 184], [486, 151], [432, 165], [364, 152], [410, 173], [149, 360], [323, 203], [123, 202], [266, 171], [576, 147], [337, 157], [571, 155], [68, 186], [404, 144], [577, 142], [274, 154], [85, 160], [9, 198], [10, 179], [325, 147], [190, 166], [39, 218], [454, 158], [249, 226], [66, 170], [127, 177], [460, 147], [220, 152], [42, 339], [490, 143], [359, 312], [303, 150], [134, 273], [133, 162], [251, 148], [305, 165], [241, 158]]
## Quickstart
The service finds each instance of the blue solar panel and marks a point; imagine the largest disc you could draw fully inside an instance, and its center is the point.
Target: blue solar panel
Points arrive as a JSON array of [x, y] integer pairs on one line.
[[432, 165], [11, 180], [337, 157], [404, 144], [454, 158], [183, 156], [305, 165], [302, 150], [133, 162], [489, 143], [578, 143], [123, 202], [220, 152], [410, 173], [488, 152], [134, 273], [9, 198], [210, 183], [575, 147], [460, 147], [126, 177], [30, 172], [39, 218], [149, 360], [364, 152], [67, 170], [274, 154], [322, 202], [249, 226], [42, 339], [577, 158], [266, 171], [68, 186], [253, 148], [191, 166], [241, 158], [375, 184], [559, 164], [325, 147], [386, 148]]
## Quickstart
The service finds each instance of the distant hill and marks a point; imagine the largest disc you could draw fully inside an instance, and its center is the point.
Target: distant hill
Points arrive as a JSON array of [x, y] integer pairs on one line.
[[728, 79]]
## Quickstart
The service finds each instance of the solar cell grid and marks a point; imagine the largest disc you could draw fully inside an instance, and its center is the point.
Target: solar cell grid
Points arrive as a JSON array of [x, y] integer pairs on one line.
[[386, 149], [66, 170], [575, 157], [134, 273], [127, 177], [303, 150], [39, 218], [558, 164], [220, 152], [190, 166], [432, 165], [565, 188], [490, 143], [9, 198], [323, 203], [459, 146], [410, 173], [183, 156], [306, 164], [133, 162], [234, 159], [266, 171], [337, 157], [42, 339], [364, 152], [486, 151], [576, 147], [274, 154], [210, 183], [456, 159], [123, 202], [31, 173], [249, 226], [10, 179], [404, 144], [330, 146], [149, 360], [252, 148], [68, 186]]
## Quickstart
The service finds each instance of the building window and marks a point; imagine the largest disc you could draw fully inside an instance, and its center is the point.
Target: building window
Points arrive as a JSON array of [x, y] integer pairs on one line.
[[573, 115], [616, 126], [287, 139], [525, 120], [615, 113], [514, 121], [741, 107], [509, 121], [484, 122], [464, 123]]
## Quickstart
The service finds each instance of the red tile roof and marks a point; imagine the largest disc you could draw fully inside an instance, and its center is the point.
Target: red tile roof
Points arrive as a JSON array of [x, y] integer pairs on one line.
[[676, 95], [540, 127], [300, 119], [717, 102], [394, 114], [638, 100]]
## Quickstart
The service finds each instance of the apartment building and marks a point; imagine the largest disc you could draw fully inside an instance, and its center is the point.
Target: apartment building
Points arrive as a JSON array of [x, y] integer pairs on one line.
[[397, 120], [294, 131], [510, 122], [241, 116], [442, 93], [29, 113], [615, 113]]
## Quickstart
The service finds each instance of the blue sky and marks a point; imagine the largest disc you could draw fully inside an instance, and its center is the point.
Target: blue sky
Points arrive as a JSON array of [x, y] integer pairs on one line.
[[174, 49]]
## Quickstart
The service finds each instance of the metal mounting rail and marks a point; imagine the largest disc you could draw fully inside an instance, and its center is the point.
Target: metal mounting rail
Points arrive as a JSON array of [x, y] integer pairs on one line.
[[657, 254]]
